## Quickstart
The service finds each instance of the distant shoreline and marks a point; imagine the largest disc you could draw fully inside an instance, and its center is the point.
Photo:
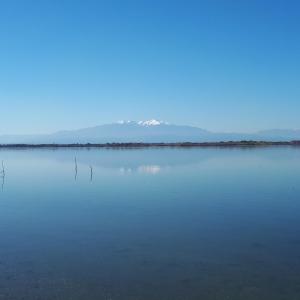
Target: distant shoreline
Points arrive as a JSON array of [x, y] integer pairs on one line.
[[154, 145]]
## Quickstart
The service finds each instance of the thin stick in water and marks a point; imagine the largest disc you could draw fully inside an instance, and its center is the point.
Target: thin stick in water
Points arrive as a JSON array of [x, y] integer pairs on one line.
[[75, 168], [3, 170], [91, 177]]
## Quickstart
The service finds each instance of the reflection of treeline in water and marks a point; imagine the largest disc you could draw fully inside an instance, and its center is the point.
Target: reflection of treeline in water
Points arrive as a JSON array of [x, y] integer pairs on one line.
[[145, 145]]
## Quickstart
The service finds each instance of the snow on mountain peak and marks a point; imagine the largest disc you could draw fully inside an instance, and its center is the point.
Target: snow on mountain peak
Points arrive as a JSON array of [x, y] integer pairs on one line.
[[152, 122], [125, 122]]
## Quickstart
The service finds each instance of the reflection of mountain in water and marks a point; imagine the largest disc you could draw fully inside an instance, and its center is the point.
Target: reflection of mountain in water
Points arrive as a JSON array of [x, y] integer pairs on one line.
[[129, 160], [151, 169], [143, 169], [151, 161]]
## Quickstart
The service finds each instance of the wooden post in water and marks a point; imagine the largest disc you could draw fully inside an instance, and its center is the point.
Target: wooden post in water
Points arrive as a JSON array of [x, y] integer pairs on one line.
[[3, 170], [2, 175], [75, 168], [91, 177]]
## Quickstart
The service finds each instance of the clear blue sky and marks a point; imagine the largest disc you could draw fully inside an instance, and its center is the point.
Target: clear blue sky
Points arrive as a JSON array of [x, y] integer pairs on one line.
[[221, 65]]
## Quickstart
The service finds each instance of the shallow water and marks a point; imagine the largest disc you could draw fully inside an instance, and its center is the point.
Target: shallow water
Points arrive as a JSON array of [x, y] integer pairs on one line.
[[161, 224]]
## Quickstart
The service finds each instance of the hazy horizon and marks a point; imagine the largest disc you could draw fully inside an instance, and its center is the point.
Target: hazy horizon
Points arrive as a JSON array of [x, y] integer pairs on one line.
[[137, 121]]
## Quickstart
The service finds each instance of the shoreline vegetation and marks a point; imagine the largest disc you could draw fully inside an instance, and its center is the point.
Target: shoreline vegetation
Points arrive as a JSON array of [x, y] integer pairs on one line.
[[152, 145]]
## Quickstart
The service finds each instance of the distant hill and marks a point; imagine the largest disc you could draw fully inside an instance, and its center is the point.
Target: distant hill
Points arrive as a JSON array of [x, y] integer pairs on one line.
[[281, 134], [148, 132]]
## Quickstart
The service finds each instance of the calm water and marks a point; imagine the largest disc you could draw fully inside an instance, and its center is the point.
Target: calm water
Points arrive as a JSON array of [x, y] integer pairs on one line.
[[150, 224]]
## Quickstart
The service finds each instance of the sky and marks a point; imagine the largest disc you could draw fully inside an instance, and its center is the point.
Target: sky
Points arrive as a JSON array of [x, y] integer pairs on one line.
[[222, 65]]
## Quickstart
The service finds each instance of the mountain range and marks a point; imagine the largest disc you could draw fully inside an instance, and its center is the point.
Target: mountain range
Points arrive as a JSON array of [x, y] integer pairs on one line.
[[147, 131]]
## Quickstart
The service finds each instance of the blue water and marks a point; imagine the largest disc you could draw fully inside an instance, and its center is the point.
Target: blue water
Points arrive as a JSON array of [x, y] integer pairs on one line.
[[211, 223]]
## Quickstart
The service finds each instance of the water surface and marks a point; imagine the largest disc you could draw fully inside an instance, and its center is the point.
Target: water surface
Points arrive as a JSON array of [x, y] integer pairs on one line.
[[165, 224]]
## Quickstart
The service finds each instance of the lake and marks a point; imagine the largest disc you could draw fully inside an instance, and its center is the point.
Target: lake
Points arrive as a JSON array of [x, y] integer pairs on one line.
[[157, 223]]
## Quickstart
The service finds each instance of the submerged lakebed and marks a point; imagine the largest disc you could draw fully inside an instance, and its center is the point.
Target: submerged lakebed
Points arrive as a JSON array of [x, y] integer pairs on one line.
[[150, 223]]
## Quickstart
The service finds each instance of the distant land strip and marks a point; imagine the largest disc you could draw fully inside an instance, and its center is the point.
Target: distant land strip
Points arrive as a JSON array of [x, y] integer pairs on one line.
[[150, 145]]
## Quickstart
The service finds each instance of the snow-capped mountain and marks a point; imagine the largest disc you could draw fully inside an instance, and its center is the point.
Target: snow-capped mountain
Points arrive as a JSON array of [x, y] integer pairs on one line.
[[131, 131], [146, 131]]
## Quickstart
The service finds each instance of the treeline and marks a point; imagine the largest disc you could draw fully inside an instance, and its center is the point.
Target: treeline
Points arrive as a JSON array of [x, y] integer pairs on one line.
[[145, 145]]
